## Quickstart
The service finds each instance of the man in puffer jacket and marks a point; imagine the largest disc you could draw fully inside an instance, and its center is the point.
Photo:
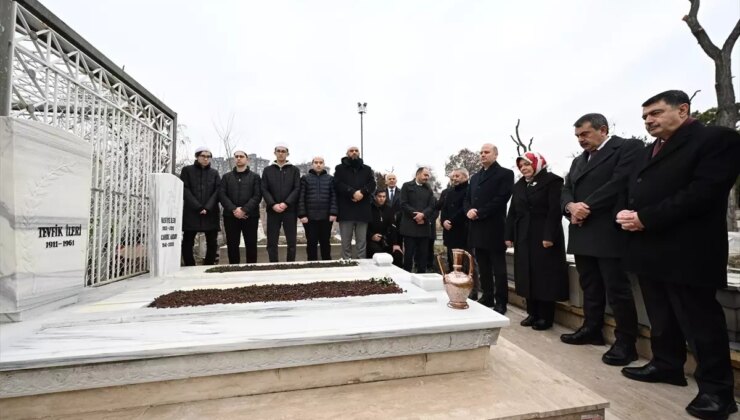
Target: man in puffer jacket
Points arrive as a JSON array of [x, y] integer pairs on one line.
[[317, 209], [240, 196], [355, 185], [200, 210], [281, 183]]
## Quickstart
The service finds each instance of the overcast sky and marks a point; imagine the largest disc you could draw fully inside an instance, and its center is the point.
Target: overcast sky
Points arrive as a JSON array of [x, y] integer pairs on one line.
[[437, 75]]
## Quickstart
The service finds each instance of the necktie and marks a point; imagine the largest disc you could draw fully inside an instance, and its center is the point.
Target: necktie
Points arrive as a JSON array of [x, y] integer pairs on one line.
[[659, 145], [392, 191]]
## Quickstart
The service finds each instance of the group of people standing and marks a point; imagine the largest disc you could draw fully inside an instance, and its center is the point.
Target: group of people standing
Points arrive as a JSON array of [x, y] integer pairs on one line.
[[656, 212]]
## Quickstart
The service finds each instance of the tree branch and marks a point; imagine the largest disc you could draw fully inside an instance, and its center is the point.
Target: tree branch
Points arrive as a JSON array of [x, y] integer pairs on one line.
[[699, 33], [730, 41], [692, 96]]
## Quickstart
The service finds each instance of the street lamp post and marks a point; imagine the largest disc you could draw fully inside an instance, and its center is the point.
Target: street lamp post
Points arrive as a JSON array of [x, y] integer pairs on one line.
[[361, 109]]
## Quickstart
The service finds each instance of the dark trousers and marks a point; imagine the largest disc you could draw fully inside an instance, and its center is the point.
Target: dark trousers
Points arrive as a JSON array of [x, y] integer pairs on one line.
[[288, 220], [679, 313], [415, 251], [602, 280], [492, 264], [235, 229], [317, 235], [541, 309], [188, 240]]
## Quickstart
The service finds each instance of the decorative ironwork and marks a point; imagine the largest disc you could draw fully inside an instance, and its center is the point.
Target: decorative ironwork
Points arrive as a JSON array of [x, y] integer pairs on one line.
[[57, 82]]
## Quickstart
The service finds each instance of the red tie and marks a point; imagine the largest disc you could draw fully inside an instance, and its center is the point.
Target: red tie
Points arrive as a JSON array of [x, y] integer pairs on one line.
[[659, 145]]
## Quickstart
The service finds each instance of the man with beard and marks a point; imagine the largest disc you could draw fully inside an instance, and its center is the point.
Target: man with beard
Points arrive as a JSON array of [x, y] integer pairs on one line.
[[382, 233], [317, 209], [200, 210], [281, 183], [355, 183], [240, 196]]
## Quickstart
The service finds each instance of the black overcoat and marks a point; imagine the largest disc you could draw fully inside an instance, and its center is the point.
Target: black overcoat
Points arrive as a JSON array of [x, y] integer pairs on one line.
[[488, 191], [416, 198], [534, 216], [241, 189], [453, 209], [598, 182], [680, 195], [350, 176], [201, 186]]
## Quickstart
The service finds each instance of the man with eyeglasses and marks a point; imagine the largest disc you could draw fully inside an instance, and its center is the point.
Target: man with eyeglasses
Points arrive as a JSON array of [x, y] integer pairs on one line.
[[355, 185], [200, 210], [281, 184], [240, 195]]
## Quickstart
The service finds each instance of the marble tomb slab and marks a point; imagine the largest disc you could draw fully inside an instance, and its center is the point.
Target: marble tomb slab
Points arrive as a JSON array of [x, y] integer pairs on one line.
[[165, 236], [105, 342]]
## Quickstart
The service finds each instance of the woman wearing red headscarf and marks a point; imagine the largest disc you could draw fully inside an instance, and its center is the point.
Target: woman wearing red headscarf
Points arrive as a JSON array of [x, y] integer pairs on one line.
[[534, 229]]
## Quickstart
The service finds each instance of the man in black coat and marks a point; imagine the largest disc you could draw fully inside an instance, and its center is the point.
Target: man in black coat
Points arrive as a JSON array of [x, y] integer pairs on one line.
[[485, 207], [417, 209], [355, 185], [382, 232], [281, 183], [240, 195], [317, 209], [452, 217], [675, 210], [592, 187], [200, 209]]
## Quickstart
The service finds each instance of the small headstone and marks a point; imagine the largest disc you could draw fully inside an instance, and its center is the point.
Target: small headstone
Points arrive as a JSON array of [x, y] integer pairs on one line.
[[166, 224]]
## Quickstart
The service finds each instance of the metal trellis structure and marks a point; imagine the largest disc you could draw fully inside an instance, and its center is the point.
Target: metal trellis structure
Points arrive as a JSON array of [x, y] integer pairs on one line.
[[55, 77]]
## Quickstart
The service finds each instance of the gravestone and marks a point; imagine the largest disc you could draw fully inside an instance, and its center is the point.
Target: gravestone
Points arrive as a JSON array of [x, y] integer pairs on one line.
[[166, 223], [45, 179]]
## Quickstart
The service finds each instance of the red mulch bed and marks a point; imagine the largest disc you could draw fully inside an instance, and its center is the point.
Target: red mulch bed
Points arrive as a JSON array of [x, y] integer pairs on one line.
[[282, 266], [277, 293]]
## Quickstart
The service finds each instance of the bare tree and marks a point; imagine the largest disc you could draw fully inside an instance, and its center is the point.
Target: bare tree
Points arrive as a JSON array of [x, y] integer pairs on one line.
[[521, 148], [728, 111], [465, 158], [225, 134], [183, 148]]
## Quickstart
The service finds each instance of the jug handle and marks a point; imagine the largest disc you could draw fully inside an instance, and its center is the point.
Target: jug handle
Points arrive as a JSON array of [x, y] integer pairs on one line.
[[441, 266], [471, 263]]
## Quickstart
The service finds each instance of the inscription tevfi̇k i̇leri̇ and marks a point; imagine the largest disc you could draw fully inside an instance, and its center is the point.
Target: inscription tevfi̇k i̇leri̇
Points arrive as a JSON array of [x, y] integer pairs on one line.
[[57, 231]]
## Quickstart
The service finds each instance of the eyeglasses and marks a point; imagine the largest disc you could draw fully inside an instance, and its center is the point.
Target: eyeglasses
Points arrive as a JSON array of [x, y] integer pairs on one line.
[[240, 156], [205, 156], [281, 151]]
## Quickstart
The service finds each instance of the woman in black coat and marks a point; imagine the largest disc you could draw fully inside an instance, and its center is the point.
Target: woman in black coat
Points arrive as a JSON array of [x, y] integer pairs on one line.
[[534, 229]]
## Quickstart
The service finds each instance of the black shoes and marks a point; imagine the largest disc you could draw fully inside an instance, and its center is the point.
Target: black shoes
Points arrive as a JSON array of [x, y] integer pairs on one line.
[[584, 335], [541, 325], [486, 301], [500, 308], [650, 373], [620, 355], [710, 406], [528, 321]]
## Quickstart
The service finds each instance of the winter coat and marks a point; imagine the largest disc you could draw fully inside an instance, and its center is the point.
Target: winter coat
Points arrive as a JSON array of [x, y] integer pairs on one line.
[[534, 216], [317, 199], [598, 182], [383, 222], [454, 211], [241, 189], [201, 185], [281, 185], [350, 176], [416, 198], [488, 191], [680, 196]]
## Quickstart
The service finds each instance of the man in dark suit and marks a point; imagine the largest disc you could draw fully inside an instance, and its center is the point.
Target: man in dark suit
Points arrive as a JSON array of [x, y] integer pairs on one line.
[[592, 187], [675, 213], [485, 207], [417, 207], [393, 199]]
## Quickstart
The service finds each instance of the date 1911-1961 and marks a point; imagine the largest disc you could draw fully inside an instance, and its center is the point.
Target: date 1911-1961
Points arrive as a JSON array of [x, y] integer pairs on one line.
[[57, 231]]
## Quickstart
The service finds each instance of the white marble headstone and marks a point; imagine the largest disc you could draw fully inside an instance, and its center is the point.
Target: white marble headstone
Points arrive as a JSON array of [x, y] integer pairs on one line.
[[165, 223], [45, 180]]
